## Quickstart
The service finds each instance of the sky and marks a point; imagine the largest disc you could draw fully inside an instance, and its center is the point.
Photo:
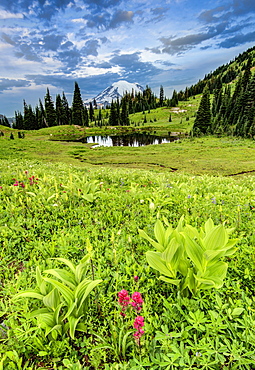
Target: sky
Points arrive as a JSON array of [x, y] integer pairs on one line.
[[173, 43]]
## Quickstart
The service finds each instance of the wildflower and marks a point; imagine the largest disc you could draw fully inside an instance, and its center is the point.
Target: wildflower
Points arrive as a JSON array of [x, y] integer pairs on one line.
[[136, 278], [124, 301], [139, 322], [138, 325], [189, 196], [137, 301]]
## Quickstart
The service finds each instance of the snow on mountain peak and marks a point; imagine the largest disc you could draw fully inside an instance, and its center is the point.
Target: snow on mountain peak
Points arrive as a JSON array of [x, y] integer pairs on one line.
[[115, 91]]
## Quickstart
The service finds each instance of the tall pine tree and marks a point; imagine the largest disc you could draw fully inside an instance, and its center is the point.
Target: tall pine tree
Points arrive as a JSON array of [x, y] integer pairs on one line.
[[202, 124], [77, 106], [50, 112]]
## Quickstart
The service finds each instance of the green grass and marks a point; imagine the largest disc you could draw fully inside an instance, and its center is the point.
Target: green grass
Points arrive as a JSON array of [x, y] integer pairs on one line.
[[216, 156], [51, 218]]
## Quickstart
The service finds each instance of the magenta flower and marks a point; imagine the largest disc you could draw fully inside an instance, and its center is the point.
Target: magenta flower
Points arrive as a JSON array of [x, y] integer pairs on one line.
[[139, 322], [138, 325], [124, 300], [136, 278], [137, 301]]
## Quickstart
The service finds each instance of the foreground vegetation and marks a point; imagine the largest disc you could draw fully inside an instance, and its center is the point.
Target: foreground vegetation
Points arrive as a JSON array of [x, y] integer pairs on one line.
[[128, 257], [63, 224]]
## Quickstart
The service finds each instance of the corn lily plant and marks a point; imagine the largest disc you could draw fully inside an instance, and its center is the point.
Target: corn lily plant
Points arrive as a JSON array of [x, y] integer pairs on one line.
[[189, 258], [65, 296]]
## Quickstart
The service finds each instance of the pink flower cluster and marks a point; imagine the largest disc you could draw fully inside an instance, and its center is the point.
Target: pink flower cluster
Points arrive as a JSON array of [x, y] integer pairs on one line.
[[19, 183], [138, 325], [124, 301], [32, 181], [136, 302]]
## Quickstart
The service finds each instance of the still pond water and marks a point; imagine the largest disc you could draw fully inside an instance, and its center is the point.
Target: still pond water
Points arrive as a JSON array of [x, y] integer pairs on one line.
[[129, 140]]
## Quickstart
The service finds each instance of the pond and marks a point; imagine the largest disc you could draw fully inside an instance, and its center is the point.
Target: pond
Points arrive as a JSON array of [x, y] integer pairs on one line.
[[128, 140]]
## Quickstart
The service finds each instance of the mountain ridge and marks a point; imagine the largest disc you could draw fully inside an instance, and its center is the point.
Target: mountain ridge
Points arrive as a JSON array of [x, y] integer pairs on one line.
[[114, 92]]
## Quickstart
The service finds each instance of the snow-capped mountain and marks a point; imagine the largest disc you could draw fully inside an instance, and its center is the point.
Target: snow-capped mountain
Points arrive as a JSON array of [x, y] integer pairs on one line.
[[116, 90]]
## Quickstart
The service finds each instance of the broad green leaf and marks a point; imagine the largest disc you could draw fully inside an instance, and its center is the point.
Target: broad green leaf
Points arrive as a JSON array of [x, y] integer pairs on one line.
[[156, 245], [189, 281], [194, 252], [218, 270], [209, 225], [155, 261], [179, 227], [169, 253], [171, 281], [71, 308], [173, 256], [183, 266], [168, 234], [73, 321], [206, 283], [81, 327], [36, 313], [80, 271], [52, 299], [213, 255], [57, 312], [63, 275], [191, 231], [66, 262], [28, 294], [58, 329], [230, 247], [42, 285], [46, 319], [82, 291], [159, 232], [216, 238], [63, 289]]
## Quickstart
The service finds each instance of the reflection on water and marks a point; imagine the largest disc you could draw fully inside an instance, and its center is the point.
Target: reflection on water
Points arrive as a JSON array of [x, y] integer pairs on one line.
[[128, 140]]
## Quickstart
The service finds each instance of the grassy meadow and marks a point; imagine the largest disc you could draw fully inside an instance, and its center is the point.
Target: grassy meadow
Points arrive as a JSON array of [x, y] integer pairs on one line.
[[127, 258]]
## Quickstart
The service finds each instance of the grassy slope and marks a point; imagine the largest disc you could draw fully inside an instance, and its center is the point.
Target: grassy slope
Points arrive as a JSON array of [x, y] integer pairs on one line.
[[217, 156]]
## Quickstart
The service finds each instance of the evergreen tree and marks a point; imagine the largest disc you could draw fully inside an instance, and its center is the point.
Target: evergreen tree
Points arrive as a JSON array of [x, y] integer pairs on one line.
[[85, 117], [91, 112], [202, 122], [29, 121], [4, 122], [161, 96], [44, 122], [50, 112], [77, 106], [124, 114], [60, 111], [113, 121], [19, 124], [67, 111]]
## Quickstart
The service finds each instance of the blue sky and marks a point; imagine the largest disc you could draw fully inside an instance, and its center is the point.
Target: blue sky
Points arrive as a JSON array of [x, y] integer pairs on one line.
[[174, 43]]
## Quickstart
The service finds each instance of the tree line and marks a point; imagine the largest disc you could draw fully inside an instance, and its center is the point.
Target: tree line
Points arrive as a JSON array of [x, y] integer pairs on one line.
[[50, 113], [232, 111]]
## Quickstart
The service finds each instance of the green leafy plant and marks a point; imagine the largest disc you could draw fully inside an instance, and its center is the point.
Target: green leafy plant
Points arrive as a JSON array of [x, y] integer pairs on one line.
[[65, 298], [190, 258]]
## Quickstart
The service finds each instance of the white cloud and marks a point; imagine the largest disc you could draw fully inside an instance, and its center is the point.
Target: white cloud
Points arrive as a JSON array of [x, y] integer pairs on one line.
[[4, 14]]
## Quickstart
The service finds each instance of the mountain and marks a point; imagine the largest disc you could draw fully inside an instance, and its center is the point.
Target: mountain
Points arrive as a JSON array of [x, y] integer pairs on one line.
[[115, 91]]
